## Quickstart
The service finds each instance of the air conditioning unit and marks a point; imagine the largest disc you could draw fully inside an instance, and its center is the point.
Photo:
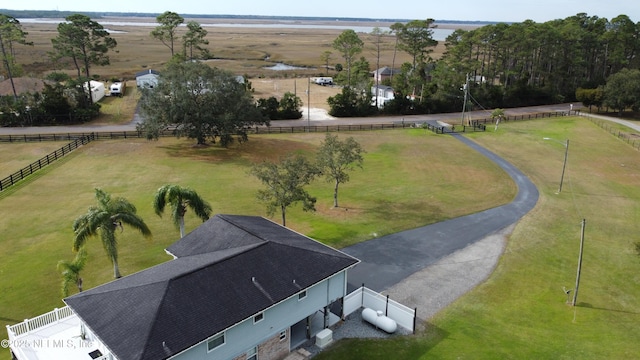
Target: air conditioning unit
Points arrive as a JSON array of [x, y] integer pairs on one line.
[[97, 355], [323, 338]]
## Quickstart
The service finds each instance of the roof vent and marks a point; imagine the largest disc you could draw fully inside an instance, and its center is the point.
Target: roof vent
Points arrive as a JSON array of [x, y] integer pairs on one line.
[[253, 278]]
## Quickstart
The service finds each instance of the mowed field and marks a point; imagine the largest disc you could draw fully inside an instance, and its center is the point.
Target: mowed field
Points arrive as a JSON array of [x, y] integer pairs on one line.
[[400, 187], [411, 177]]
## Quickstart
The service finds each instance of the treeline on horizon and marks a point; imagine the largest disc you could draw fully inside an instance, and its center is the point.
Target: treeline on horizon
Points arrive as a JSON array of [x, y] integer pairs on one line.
[[55, 14]]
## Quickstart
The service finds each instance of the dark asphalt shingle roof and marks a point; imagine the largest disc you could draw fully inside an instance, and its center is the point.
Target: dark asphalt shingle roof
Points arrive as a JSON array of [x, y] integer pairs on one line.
[[227, 270], [148, 71]]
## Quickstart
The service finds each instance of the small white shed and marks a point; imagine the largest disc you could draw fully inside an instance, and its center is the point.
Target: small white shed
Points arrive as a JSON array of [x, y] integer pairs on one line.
[[97, 90], [147, 78]]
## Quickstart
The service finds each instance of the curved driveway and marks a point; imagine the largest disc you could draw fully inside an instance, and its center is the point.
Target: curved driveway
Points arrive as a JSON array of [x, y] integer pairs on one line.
[[388, 260], [394, 262]]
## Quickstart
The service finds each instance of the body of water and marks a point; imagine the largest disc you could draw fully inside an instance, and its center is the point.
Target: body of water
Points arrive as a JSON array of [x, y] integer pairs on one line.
[[282, 67]]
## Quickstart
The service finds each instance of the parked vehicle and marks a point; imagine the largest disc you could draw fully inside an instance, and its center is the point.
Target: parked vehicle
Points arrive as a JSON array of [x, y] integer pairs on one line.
[[118, 88], [324, 81]]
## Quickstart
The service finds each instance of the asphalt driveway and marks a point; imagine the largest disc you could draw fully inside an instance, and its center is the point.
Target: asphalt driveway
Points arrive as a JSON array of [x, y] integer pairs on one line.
[[409, 265]]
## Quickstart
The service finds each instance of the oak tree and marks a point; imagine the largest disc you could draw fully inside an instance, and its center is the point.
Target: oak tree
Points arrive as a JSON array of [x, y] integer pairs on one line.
[[284, 184], [199, 102], [335, 158]]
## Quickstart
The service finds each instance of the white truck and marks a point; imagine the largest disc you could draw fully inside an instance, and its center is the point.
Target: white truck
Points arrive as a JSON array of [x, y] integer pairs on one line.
[[118, 88], [324, 81]]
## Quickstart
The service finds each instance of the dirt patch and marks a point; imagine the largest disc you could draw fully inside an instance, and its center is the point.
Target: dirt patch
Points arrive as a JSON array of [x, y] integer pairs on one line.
[[338, 213], [311, 94]]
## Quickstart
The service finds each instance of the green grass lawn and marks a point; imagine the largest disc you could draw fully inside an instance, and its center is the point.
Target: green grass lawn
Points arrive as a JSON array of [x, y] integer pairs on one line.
[[520, 311], [15, 156], [410, 178]]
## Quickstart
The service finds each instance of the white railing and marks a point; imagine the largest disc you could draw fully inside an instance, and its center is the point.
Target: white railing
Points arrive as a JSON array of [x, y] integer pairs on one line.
[[37, 322], [366, 298]]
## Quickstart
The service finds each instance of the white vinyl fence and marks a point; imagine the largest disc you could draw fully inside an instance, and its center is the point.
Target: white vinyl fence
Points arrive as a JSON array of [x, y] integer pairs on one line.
[[364, 297]]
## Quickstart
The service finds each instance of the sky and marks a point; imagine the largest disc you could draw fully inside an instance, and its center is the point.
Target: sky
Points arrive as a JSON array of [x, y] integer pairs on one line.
[[467, 10]]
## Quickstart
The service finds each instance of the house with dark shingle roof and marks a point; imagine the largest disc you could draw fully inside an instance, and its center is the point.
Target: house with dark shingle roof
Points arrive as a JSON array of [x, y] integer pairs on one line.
[[147, 78], [384, 73], [237, 286]]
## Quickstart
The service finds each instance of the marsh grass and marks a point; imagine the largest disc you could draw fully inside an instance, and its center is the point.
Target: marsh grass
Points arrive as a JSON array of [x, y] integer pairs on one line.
[[239, 50], [520, 311]]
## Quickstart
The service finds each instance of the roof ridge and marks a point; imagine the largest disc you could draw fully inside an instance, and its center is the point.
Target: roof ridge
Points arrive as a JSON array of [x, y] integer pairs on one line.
[[325, 246], [233, 252], [226, 218], [155, 323]]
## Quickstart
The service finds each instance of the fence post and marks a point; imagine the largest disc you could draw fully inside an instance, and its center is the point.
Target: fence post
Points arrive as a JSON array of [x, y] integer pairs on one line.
[[415, 319], [386, 307]]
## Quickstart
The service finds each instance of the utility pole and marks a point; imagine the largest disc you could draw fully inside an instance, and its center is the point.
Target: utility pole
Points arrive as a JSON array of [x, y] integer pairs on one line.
[[309, 105], [575, 292], [465, 88], [564, 164]]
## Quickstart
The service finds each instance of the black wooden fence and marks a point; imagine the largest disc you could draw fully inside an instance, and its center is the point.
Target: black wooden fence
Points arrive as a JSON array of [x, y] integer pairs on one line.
[[631, 139], [37, 165], [112, 135], [84, 138]]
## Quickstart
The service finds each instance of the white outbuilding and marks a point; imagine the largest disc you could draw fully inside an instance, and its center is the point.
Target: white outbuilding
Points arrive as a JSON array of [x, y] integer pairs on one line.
[[97, 90], [147, 78]]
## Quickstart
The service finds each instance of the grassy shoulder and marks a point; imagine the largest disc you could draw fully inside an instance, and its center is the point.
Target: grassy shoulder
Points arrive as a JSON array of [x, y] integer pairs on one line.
[[16, 156], [520, 311], [410, 178]]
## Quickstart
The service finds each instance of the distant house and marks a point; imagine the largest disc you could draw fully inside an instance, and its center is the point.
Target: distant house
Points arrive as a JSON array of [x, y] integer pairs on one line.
[[147, 78], [479, 79], [239, 287], [381, 94], [384, 73]]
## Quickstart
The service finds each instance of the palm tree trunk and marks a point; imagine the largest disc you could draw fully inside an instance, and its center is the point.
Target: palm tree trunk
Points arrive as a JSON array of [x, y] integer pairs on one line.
[[181, 226], [116, 269]]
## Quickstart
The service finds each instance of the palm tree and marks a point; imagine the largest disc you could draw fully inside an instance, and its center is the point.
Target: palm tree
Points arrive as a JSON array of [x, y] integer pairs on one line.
[[180, 198], [71, 271], [103, 220]]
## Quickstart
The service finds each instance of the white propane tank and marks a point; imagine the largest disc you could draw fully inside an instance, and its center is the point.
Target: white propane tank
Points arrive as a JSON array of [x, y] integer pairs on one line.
[[378, 320]]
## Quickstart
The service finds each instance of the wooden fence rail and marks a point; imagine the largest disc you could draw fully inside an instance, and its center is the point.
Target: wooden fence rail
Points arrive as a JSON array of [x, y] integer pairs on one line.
[[113, 135], [42, 162], [82, 138], [630, 139]]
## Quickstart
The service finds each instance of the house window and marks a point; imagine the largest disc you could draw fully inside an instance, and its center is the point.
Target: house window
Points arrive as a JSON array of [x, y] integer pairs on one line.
[[302, 295], [283, 335], [215, 342], [252, 354], [258, 318]]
